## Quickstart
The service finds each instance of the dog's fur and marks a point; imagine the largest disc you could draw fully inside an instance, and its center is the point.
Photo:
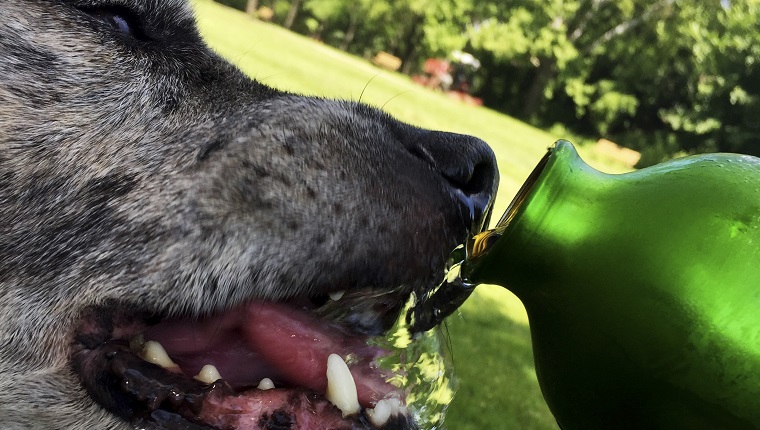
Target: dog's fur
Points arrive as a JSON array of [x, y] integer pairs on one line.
[[138, 168]]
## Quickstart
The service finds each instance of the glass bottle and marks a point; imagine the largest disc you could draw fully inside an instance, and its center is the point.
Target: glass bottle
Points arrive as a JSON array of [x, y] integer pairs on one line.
[[642, 290]]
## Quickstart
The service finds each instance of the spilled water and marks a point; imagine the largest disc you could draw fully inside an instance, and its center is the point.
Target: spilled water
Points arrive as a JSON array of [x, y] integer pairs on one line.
[[422, 368]]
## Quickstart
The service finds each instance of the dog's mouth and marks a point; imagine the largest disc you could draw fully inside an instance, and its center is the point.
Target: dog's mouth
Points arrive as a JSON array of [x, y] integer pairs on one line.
[[300, 364]]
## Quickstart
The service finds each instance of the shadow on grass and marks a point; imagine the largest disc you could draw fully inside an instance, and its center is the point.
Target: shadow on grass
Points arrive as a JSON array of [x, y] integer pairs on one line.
[[492, 355]]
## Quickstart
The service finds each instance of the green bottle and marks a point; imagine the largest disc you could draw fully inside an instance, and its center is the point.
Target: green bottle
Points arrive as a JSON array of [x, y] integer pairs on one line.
[[642, 290]]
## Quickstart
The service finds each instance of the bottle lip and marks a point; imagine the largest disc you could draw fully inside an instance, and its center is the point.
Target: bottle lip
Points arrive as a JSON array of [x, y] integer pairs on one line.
[[522, 195], [480, 244]]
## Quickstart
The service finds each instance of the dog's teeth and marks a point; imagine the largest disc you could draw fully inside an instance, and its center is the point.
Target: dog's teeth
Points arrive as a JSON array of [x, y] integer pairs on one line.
[[380, 414], [384, 410], [337, 295], [396, 407], [266, 384], [208, 374], [341, 388], [154, 353]]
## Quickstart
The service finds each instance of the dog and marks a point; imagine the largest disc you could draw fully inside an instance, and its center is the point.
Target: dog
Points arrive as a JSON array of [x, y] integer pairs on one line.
[[160, 211]]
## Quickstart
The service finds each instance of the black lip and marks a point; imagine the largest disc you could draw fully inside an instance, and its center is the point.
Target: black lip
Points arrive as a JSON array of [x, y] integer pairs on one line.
[[150, 386], [139, 391]]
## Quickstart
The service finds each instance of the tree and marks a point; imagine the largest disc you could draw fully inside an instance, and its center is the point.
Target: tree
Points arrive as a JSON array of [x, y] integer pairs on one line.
[[295, 6], [412, 30], [724, 78], [552, 40], [251, 7], [661, 76]]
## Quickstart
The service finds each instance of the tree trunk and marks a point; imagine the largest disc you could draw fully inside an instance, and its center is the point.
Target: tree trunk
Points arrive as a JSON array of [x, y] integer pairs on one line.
[[353, 23], [535, 95], [291, 18], [412, 42], [251, 7]]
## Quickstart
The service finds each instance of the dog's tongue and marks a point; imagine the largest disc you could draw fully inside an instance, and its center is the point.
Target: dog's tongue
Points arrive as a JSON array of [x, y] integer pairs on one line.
[[298, 345], [272, 340]]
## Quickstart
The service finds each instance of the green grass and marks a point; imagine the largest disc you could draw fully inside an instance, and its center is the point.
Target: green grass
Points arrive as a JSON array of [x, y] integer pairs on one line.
[[490, 339]]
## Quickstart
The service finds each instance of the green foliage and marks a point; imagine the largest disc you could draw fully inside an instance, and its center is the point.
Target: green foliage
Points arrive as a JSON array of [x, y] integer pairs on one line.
[[633, 71], [724, 86], [610, 106], [237, 4]]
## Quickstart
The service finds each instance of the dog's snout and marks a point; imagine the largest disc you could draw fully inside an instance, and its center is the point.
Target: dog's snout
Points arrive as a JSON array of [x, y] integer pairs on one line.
[[468, 166]]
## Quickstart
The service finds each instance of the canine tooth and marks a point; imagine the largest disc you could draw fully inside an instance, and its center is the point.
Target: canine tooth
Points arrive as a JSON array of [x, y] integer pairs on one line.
[[154, 353], [266, 384], [341, 388], [208, 374], [380, 414], [337, 295]]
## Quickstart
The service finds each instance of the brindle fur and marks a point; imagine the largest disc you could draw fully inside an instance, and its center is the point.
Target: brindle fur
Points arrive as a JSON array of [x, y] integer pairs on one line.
[[144, 170]]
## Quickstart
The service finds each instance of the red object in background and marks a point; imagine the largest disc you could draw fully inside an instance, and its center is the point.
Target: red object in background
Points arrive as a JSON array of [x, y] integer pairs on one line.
[[437, 75], [436, 66]]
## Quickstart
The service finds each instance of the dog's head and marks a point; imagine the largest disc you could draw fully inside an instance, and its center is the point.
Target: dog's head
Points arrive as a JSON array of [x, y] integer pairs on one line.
[[150, 191]]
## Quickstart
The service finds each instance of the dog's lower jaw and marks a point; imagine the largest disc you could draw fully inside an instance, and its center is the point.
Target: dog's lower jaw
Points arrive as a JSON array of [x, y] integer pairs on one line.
[[116, 375]]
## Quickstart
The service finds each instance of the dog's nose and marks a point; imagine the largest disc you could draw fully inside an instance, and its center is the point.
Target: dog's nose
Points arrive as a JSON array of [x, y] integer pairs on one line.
[[468, 166]]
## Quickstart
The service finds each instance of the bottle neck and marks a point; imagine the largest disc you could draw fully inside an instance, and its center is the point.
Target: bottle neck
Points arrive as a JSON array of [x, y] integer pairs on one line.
[[549, 217]]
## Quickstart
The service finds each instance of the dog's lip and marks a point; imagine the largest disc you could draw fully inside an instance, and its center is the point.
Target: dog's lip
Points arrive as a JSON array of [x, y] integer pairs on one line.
[[257, 323], [172, 401]]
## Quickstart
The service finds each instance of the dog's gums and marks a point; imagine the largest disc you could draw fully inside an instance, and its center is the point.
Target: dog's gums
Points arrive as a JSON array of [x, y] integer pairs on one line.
[[261, 365]]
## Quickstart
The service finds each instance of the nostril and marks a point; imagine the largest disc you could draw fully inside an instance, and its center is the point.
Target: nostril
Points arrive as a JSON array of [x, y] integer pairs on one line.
[[460, 171], [482, 179], [476, 194], [466, 164], [471, 180]]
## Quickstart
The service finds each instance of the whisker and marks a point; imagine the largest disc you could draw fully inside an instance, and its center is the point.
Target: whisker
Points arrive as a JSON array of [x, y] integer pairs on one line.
[[388, 101], [216, 331], [366, 85]]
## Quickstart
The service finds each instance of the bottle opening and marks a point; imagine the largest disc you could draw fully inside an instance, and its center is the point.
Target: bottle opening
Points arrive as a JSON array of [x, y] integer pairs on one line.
[[525, 189], [482, 242]]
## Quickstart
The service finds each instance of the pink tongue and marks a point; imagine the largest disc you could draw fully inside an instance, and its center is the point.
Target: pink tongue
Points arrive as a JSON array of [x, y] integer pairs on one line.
[[297, 345], [272, 340]]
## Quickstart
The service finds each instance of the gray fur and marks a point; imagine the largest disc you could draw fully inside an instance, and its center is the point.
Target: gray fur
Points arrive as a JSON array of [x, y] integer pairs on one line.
[[152, 173]]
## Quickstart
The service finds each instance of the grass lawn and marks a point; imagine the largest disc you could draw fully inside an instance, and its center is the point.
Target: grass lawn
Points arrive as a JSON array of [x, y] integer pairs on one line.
[[490, 339]]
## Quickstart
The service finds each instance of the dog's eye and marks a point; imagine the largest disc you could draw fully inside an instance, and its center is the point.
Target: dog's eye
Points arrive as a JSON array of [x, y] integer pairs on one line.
[[118, 22], [119, 19]]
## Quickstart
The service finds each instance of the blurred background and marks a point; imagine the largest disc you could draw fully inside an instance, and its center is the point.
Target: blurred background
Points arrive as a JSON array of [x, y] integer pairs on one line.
[[663, 77], [631, 82]]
